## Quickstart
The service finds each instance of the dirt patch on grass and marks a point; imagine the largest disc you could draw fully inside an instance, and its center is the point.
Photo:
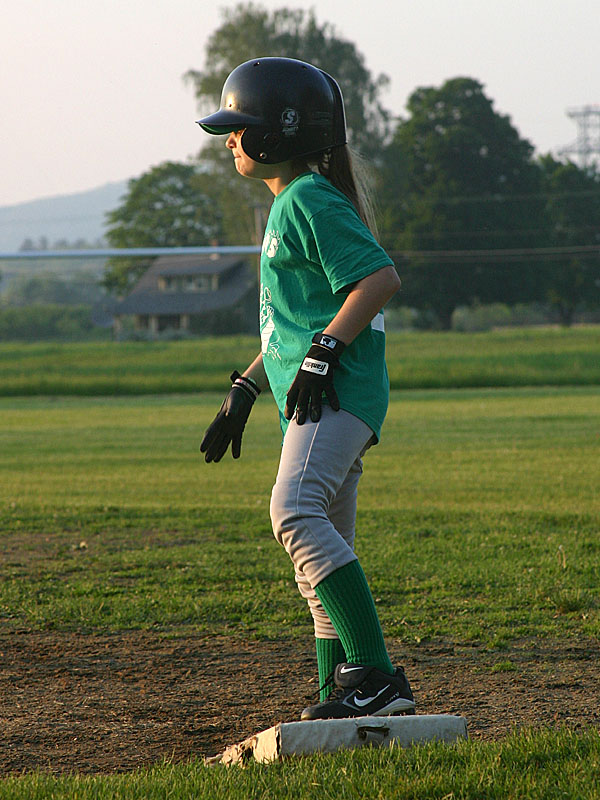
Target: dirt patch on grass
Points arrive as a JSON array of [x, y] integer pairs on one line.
[[108, 703]]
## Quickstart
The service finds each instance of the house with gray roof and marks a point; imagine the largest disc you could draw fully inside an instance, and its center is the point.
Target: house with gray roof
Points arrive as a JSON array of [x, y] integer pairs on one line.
[[180, 292]]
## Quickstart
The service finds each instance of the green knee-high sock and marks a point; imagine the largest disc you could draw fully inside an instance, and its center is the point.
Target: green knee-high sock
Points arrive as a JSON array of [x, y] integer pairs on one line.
[[347, 599], [330, 653]]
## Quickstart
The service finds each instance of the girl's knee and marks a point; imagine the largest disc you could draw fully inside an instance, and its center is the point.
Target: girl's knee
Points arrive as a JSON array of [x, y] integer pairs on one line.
[[291, 510]]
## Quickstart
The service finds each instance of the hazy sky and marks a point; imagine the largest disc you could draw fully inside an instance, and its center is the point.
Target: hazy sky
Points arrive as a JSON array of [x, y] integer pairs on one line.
[[92, 90]]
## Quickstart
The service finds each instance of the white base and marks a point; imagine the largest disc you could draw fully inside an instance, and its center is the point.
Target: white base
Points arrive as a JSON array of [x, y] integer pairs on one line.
[[329, 735]]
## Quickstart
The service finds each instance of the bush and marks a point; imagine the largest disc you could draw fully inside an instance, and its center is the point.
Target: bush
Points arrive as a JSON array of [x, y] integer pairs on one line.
[[33, 323], [49, 288], [400, 318], [480, 318], [475, 318]]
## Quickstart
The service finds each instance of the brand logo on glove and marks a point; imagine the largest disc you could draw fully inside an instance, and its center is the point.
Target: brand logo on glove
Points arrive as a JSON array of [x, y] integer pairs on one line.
[[316, 367], [327, 341]]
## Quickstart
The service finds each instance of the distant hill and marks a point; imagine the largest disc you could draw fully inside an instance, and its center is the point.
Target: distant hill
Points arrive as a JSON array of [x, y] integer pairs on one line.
[[69, 216]]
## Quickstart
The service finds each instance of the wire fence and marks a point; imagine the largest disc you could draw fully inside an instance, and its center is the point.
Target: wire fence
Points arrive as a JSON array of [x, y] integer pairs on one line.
[[23, 264], [129, 252], [497, 254]]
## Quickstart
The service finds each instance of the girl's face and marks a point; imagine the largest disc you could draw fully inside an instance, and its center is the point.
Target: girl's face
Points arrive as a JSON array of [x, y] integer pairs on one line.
[[276, 176], [243, 163]]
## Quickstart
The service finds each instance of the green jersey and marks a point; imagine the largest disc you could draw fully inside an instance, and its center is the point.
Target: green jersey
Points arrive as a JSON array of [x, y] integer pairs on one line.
[[315, 249]]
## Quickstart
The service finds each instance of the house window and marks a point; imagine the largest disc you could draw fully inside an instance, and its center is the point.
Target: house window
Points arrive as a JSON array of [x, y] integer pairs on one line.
[[198, 283], [166, 283], [187, 283]]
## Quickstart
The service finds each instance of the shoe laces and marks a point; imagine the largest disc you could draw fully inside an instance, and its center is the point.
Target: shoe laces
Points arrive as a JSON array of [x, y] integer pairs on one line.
[[326, 684], [337, 693]]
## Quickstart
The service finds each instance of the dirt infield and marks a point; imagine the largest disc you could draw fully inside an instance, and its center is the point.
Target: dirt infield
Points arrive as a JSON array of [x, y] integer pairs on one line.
[[111, 703]]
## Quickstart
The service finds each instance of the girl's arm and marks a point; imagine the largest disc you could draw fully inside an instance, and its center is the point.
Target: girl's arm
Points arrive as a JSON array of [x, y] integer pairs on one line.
[[315, 376], [364, 301], [256, 372]]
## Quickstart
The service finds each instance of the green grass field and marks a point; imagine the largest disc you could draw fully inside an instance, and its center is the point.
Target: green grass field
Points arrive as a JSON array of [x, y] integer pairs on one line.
[[549, 765], [508, 477], [509, 357], [110, 520]]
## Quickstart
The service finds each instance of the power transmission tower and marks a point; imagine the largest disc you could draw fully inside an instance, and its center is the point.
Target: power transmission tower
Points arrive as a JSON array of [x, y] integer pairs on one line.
[[587, 145]]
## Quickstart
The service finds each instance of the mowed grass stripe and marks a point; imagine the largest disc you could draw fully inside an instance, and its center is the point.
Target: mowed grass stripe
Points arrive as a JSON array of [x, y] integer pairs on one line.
[[501, 450], [511, 357]]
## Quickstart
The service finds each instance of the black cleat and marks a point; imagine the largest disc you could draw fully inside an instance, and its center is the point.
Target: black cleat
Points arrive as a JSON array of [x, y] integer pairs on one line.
[[364, 692]]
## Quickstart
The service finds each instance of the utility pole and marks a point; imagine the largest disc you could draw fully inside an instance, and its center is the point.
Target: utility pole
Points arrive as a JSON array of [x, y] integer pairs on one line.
[[259, 232]]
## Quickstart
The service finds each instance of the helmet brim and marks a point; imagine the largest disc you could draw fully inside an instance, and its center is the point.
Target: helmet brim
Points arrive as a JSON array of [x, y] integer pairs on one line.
[[225, 121]]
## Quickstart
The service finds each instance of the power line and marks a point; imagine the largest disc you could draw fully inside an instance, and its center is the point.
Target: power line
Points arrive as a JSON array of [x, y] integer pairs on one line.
[[497, 197], [583, 229], [519, 254], [507, 198]]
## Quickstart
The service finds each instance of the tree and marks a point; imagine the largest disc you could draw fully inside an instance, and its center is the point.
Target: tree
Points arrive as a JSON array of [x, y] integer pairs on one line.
[[164, 207], [243, 204], [249, 31], [573, 209], [59, 244], [457, 176], [48, 288], [40, 245], [195, 204], [46, 322]]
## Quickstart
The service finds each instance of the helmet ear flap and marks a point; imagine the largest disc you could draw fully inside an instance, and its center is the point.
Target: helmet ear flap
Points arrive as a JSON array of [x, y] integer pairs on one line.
[[271, 141], [262, 145]]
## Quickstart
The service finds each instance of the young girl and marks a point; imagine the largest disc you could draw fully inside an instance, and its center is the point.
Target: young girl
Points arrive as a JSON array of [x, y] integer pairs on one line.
[[324, 281]]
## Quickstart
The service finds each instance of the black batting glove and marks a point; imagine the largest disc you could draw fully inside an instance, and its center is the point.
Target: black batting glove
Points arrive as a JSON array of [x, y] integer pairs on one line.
[[228, 426], [314, 378]]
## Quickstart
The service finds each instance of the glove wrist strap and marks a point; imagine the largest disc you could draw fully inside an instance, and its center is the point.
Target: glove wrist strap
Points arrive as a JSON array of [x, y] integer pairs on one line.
[[247, 384], [330, 343]]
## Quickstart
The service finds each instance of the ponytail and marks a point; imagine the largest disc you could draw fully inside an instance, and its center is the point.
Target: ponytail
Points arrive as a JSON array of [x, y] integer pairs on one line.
[[345, 170]]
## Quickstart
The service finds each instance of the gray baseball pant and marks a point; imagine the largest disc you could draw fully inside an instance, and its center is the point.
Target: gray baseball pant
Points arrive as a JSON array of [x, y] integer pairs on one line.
[[313, 503]]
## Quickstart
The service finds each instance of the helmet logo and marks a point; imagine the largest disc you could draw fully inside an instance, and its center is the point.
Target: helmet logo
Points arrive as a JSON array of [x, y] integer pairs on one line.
[[289, 121]]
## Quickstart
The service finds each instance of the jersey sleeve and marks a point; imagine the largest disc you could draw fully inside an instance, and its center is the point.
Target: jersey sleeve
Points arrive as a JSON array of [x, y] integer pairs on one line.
[[346, 248]]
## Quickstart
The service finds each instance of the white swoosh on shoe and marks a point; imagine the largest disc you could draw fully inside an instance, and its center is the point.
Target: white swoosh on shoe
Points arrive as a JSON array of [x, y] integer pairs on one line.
[[361, 703], [343, 670]]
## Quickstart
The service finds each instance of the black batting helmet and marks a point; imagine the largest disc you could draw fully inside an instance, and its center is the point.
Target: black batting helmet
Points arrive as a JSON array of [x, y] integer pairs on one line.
[[286, 107]]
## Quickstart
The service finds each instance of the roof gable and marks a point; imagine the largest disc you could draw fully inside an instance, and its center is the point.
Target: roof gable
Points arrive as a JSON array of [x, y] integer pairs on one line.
[[188, 266], [159, 291]]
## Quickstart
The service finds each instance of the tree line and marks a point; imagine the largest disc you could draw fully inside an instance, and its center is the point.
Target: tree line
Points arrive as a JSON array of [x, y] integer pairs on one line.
[[55, 302], [468, 212]]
